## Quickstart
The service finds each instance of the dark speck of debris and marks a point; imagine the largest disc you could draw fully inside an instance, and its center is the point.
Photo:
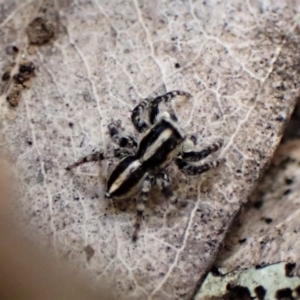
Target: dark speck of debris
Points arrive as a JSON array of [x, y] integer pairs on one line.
[[260, 266], [29, 142], [177, 65], [258, 204], [289, 181], [242, 241], [289, 267], [260, 292], [280, 119], [71, 124], [26, 71], [27, 68], [237, 292], [284, 294], [40, 31], [11, 50], [268, 220], [5, 76], [89, 251], [95, 196], [286, 192], [15, 49]]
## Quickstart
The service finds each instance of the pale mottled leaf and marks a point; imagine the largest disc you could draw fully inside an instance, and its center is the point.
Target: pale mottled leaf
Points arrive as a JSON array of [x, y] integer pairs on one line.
[[239, 61]]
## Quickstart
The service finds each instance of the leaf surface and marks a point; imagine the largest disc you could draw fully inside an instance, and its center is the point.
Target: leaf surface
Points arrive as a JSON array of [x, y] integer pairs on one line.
[[238, 59]]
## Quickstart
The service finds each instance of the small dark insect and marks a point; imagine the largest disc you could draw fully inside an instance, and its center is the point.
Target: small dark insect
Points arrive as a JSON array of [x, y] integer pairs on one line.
[[40, 31], [142, 164]]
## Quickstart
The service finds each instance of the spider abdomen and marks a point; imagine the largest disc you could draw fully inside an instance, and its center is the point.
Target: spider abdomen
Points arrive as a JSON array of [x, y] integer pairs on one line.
[[126, 179], [161, 144]]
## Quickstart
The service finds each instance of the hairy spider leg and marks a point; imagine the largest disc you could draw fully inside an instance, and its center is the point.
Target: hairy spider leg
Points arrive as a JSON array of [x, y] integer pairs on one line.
[[119, 139], [142, 199], [154, 104], [163, 182], [122, 152], [190, 169], [198, 155], [97, 156], [136, 117]]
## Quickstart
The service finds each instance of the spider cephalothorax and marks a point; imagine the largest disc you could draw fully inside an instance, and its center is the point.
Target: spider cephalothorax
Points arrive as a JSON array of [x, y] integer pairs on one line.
[[142, 164]]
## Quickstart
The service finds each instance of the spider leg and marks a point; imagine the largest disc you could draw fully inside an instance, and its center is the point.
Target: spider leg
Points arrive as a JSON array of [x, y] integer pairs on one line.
[[136, 117], [163, 182], [97, 156], [143, 197], [190, 169], [122, 141], [154, 110], [198, 155], [121, 152]]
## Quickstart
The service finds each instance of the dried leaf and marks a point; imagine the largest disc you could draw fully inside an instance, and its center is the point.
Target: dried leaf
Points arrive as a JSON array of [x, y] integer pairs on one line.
[[238, 59]]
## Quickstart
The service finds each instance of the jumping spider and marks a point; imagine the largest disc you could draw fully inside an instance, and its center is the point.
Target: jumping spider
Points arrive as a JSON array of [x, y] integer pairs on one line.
[[142, 167]]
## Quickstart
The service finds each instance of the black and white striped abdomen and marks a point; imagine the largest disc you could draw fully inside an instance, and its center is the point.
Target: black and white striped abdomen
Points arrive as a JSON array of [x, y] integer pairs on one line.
[[126, 179], [161, 144]]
